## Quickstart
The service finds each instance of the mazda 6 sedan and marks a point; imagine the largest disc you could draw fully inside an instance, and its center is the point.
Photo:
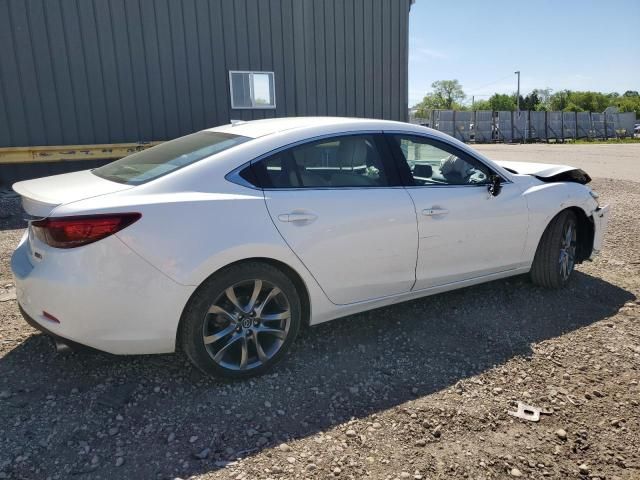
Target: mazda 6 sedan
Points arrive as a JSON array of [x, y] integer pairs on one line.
[[225, 242]]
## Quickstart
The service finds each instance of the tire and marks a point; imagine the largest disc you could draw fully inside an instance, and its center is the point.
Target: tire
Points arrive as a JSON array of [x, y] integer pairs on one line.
[[241, 321], [554, 261]]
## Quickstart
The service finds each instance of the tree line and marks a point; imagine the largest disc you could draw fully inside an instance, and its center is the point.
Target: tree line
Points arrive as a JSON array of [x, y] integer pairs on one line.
[[449, 95]]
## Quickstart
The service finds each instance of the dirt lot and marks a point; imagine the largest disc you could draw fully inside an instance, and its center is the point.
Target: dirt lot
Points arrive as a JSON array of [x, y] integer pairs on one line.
[[417, 390]]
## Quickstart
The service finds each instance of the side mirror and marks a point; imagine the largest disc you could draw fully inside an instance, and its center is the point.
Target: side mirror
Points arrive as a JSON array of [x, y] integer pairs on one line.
[[495, 187]]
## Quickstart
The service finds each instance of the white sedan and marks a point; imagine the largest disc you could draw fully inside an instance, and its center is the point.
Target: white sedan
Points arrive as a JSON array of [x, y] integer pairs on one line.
[[224, 243]]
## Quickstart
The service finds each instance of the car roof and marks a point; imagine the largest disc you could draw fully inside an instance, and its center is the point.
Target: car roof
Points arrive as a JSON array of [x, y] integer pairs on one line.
[[269, 126]]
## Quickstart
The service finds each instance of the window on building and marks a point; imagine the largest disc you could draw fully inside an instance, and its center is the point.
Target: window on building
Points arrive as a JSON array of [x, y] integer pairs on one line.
[[252, 90]]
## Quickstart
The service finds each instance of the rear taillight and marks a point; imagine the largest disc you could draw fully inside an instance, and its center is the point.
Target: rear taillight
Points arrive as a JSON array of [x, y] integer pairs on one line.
[[69, 232]]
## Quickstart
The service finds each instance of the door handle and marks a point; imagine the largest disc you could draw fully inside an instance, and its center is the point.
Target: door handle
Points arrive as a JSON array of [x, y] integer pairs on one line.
[[297, 217], [432, 212]]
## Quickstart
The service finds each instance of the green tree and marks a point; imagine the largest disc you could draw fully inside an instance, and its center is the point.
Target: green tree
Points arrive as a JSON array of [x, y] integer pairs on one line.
[[530, 102], [448, 93], [572, 107], [576, 101], [628, 103], [544, 95], [425, 106], [501, 101], [429, 102], [559, 100], [590, 101], [482, 105]]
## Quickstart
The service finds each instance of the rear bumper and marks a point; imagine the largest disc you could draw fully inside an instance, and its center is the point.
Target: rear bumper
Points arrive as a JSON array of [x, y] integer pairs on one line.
[[600, 223], [54, 337], [104, 295]]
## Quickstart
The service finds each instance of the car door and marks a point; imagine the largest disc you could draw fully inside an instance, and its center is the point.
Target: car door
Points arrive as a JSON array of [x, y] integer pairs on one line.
[[464, 231], [339, 205]]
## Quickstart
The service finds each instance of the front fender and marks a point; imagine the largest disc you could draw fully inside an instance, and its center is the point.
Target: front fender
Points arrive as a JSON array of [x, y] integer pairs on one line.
[[545, 201]]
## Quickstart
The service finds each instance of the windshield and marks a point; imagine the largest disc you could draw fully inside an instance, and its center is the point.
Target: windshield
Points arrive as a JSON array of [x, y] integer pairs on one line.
[[147, 165]]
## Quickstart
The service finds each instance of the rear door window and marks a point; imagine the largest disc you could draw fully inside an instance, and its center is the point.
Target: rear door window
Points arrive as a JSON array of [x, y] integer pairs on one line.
[[147, 165]]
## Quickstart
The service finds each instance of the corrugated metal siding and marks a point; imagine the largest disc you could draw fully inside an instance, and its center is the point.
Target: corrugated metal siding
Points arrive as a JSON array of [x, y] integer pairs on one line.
[[107, 71]]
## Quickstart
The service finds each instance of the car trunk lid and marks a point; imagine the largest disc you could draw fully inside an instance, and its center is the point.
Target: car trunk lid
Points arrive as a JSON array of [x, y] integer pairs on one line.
[[42, 195]]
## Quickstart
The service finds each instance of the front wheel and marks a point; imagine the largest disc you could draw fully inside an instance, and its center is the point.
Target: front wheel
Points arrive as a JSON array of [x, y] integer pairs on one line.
[[241, 321], [555, 257]]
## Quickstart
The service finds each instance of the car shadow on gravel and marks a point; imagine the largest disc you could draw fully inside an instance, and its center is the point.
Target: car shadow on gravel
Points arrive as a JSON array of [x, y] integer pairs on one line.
[[77, 414]]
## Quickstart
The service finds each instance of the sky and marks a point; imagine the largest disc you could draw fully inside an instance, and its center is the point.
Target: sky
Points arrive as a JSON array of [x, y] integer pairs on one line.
[[561, 44]]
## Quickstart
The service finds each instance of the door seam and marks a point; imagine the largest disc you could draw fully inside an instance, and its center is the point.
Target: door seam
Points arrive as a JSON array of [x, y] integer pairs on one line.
[[415, 211], [266, 206]]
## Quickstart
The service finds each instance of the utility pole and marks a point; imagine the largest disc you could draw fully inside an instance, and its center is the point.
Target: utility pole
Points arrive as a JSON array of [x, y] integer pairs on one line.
[[473, 101], [518, 95]]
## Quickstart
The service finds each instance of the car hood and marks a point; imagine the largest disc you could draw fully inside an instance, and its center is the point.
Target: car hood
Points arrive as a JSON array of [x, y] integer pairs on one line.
[[547, 172], [41, 195]]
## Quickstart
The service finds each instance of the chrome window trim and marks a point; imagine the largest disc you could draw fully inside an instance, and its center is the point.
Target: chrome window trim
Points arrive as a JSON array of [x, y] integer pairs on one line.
[[485, 185], [315, 139], [307, 189]]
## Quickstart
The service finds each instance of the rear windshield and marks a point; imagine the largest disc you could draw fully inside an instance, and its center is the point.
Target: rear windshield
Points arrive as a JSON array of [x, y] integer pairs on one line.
[[147, 165]]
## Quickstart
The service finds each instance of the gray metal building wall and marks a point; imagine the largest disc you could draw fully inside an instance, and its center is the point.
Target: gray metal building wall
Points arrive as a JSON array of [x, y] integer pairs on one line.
[[109, 71]]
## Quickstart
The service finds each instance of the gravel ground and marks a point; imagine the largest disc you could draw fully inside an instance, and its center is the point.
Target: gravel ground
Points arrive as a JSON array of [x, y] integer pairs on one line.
[[417, 390]]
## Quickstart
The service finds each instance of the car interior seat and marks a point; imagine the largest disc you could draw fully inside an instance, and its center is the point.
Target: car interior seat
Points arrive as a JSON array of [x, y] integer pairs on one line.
[[455, 170], [422, 170]]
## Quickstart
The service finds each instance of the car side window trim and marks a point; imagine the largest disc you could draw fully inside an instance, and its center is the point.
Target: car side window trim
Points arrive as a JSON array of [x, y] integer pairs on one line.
[[390, 153], [380, 144], [403, 167]]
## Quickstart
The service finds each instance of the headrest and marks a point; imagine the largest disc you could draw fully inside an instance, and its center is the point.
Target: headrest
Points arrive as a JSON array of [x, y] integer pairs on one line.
[[352, 151], [423, 171], [454, 165]]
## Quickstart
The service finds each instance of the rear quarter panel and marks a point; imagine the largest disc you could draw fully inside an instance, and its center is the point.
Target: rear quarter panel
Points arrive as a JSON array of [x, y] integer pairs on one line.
[[189, 236]]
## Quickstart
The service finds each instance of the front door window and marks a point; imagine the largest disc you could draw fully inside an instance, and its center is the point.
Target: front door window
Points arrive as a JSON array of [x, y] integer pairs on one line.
[[438, 164]]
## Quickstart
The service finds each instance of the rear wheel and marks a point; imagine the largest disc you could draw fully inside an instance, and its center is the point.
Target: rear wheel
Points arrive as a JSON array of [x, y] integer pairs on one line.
[[241, 322], [556, 254]]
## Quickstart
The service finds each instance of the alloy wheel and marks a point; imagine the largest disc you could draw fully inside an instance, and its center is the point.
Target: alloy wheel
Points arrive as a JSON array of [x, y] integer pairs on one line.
[[246, 325], [566, 260]]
